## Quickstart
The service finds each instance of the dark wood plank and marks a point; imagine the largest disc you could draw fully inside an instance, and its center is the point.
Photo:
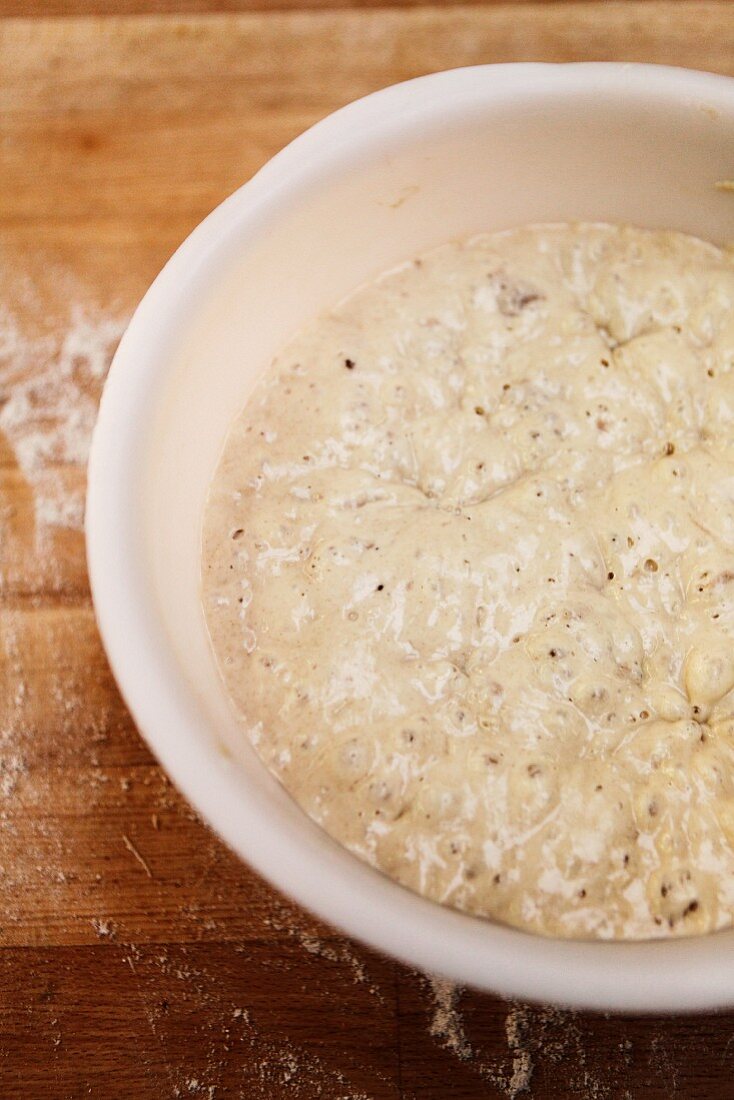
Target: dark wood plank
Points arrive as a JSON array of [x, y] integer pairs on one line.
[[301, 1019], [484, 1047], [260, 1022]]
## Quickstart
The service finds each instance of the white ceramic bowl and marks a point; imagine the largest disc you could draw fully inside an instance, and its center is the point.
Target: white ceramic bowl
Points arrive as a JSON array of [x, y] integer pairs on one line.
[[386, 177]]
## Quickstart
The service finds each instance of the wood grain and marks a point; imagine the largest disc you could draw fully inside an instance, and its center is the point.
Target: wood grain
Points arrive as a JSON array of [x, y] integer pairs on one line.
[[138, 957], [199, 7], [269, 1020]]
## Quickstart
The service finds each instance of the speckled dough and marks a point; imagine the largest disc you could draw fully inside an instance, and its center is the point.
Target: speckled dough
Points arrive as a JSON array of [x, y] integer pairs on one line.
[[469, 577]]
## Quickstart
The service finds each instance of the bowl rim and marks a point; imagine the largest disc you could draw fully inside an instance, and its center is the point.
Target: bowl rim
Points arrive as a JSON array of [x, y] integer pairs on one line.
[[595, 975]]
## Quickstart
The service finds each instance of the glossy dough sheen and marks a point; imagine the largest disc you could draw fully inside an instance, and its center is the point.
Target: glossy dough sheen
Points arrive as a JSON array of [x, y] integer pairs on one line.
[[469, 577]]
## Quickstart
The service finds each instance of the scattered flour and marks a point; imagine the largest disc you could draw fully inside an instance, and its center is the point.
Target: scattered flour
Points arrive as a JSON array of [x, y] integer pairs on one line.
[[516, 1027], [105, 929], [197, 1088], [336, 950], [57, 506], [535, 1035], [663, 1063], [12, 767], [446, 1024], [50, 386]]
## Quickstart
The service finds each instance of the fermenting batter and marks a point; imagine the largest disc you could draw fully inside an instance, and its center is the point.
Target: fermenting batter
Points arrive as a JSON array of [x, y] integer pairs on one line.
[[469, 577]]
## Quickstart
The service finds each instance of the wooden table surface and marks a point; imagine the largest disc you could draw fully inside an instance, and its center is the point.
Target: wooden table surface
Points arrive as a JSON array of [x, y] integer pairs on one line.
[[138, 957]]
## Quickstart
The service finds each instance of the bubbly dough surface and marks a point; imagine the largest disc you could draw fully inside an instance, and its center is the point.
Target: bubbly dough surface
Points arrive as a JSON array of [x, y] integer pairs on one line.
[[468, 570]]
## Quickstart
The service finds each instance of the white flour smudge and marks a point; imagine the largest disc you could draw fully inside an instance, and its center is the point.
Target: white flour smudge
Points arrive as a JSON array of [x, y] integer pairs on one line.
[[536, 1036], [516, 1028], [49, 393], [446, 1023], [12, 768], [48, 386]]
